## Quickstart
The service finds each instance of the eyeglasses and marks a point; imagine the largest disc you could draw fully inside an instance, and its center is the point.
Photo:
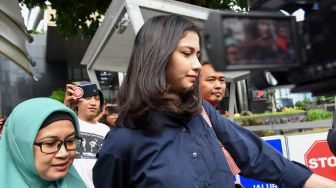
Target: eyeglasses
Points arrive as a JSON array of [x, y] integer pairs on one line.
[[53, 146]]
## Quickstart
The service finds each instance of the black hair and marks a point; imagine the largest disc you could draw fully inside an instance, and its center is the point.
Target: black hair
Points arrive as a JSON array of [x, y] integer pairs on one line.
[[57, 116], [145, 87]]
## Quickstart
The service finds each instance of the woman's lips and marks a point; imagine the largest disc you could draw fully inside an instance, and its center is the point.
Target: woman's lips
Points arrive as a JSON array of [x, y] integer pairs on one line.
[[61, 167], [192, 77]]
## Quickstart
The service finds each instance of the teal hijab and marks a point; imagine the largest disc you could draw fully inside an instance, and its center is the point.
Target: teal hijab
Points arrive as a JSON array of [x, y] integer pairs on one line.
[[17, 167]]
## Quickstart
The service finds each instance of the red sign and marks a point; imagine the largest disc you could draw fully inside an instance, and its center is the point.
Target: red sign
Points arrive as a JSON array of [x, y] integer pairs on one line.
[[320, 159]]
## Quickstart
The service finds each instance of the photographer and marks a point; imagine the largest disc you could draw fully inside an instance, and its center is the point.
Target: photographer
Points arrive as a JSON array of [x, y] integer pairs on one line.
[[109, 115]]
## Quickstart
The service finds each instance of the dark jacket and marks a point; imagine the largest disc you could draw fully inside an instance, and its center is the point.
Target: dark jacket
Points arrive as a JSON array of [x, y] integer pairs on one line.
[[189, 155]]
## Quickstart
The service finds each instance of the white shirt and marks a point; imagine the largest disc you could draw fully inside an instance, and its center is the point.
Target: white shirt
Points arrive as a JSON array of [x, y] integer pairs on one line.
[[93, 136]]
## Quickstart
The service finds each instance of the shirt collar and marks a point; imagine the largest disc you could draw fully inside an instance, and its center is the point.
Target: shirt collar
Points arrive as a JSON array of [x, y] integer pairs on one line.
[[164, 119]]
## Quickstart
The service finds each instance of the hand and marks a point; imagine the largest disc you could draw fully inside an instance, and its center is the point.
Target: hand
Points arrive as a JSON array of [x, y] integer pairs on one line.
[[104, 113], [70, 100], [105, 109]]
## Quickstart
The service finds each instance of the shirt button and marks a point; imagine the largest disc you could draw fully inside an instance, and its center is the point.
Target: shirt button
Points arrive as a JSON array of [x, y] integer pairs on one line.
[[205, 184], [194, 154], [183, 129]]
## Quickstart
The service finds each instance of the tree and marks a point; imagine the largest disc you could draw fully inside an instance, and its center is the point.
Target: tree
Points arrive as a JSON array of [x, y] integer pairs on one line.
[[84, 16], [218, 4], [58, 94], [73, 16], [271, 99], [303, 105]]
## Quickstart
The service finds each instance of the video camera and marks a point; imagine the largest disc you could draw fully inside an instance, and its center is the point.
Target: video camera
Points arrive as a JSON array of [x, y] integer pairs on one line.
[[274, 47]]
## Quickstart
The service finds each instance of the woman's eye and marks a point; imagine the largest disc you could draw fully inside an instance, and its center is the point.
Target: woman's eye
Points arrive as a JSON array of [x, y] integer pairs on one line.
[[50, 144], [186, 53], [71, 141]]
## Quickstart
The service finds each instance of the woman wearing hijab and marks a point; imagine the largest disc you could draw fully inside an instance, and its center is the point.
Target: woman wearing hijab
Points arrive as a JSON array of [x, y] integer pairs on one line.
[[38, 146]]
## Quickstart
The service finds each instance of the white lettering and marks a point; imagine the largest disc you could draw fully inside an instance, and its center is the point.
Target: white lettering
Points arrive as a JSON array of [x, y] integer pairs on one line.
[[332, 161], [312, 163], [266, 186], [322, 162]]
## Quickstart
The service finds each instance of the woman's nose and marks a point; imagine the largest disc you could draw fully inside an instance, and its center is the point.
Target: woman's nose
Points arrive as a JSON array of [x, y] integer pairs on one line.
[[196, 64]]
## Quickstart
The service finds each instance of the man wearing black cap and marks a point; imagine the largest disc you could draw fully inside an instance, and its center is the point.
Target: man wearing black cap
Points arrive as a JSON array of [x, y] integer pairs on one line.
[[88, 100]]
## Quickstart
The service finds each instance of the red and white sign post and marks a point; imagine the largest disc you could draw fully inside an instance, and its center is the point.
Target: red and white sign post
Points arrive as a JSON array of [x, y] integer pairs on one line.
[[320, 159]]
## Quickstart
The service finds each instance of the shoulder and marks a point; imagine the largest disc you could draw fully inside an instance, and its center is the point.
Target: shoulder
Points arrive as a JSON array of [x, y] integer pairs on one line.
[[214, 116], [206, 105], [210, 110], [117, 142], [103, 126]]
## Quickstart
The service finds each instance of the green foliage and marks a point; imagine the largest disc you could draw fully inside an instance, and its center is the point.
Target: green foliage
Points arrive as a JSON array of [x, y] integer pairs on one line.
[[330, 99], [323, 99], [265, 133], [303, 105], [246, 113], [270, 92], [251, 122], [73, 16], [220, 4], [34, 31], [299, 104], [313, 115], [269, 105], [320, 99], [58, 94]]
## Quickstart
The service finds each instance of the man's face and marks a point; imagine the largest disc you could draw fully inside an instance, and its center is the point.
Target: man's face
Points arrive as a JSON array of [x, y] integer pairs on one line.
[[212, 85], [88, 108]]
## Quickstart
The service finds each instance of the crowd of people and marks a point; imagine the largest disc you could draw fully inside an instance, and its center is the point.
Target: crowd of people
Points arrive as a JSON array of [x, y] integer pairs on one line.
[[262, 41], [163, 132]]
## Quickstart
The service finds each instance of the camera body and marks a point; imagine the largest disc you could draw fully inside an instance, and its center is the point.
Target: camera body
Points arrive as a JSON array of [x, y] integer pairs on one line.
[[112, 110], [300, 54], [86, 90]]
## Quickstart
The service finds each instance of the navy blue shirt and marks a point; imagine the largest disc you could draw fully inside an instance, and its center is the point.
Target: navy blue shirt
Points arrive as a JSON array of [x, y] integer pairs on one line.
[[189, 155]]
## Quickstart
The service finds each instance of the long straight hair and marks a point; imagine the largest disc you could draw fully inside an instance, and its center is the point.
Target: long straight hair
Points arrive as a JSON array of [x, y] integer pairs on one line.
[[145, 87]]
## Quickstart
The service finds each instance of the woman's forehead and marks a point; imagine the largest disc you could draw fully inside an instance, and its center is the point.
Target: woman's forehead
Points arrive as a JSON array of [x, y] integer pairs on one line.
[[190, 40]]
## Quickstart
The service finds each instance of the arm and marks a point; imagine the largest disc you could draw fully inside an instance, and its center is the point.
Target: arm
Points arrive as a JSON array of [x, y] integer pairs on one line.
[[318, 181], [110, 171], [100, 116], [103, 114], [112, 168], [254, 156]]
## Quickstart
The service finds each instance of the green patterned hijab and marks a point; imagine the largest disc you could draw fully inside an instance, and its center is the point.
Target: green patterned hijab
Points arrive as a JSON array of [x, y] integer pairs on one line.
[[17, 167]]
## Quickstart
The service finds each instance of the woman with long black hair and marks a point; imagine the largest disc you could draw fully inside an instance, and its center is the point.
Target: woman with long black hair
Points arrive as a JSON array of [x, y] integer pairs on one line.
[[162, 140]]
